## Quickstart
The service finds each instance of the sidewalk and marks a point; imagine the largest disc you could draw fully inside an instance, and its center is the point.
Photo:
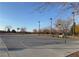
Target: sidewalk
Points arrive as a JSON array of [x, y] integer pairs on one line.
[[73, 37]]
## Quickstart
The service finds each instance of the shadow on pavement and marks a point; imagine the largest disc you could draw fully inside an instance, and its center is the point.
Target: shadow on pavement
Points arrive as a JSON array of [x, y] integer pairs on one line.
[[3, 49], [10, 49], [15, 49]]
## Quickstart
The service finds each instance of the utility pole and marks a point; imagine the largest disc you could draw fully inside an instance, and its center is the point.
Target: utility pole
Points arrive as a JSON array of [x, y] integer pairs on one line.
[[51, 26], [39, 27]]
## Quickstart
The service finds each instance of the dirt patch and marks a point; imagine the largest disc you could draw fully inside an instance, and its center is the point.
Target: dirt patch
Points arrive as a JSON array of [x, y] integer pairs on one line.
[[75, 54]]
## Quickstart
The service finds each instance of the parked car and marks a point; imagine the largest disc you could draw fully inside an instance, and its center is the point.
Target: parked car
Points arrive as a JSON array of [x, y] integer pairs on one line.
[[61, 35]]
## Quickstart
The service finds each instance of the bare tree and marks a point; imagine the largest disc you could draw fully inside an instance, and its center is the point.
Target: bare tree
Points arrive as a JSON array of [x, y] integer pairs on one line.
[[46, 31], [18, 29], [68, 23], [59, 23], [13, 31], [23, 29], [35, 31], [63, 24], [64, 6], [8, 28]]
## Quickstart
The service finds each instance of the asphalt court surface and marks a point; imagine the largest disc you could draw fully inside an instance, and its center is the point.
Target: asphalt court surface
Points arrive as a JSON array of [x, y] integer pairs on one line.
[[31, 45]]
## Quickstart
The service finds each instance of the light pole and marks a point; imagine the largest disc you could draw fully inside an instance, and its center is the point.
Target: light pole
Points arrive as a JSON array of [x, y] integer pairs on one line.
[[51, 26], [39, 27], [73, 23]]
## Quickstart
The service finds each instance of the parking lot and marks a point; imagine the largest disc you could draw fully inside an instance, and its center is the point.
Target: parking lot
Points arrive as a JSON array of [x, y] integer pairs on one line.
[[33, 45]]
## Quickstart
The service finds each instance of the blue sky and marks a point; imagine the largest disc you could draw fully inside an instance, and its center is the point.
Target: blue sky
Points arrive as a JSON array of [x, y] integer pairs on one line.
[[24, 14]]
